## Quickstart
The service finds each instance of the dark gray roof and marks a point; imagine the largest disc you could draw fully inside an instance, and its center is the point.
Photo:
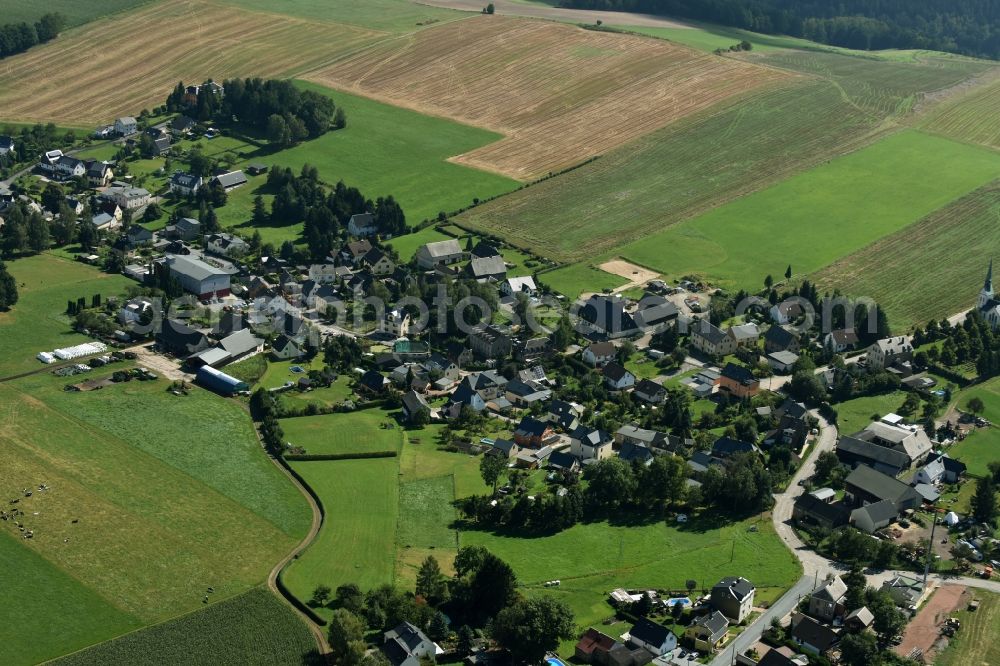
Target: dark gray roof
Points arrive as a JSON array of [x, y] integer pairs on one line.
[[231, 179], [414, 402], [649, 632], [727, 446], [812, 632], [836, 514], [481, 267], [532, 427], [738, 586], [590, 436], [873, 452], [716, 623], [629, 452], [614, 371], [608, 314], [880, 512], [879, 485], [709, 331], [562, 460], [738, 373]]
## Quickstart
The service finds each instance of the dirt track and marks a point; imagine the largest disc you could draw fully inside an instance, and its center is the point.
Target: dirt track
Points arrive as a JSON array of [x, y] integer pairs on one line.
[[636, 275], [924, 630], [559, 13]]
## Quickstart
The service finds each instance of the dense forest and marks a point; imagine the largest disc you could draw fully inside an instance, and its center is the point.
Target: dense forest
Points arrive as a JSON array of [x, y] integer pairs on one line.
[[18, 37], [970, 27]]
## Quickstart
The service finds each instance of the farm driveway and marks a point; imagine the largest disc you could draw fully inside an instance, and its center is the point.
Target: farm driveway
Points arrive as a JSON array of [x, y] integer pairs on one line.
[[512, 8]]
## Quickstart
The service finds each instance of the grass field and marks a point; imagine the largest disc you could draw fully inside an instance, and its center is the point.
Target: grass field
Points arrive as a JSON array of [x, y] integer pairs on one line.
[[931, 269], [357, 541], [559, 93], [142, 507], [855, 415], [195, 40], [383, 150], [974, 116], [76, 12], [222, 451], [882, 86], [32, 588], [983, 446], [721, 154], [252, 628], [424, 528], [37, 322], [975, 644], [356, 432], [408, 245], [574, 279], [387, 15], [813, 219]]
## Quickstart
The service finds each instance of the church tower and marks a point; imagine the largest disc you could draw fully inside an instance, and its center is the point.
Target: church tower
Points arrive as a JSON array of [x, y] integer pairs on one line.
[[986, 295]]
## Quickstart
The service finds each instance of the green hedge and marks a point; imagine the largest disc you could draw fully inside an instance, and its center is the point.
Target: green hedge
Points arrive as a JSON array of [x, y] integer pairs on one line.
[[306, 457]]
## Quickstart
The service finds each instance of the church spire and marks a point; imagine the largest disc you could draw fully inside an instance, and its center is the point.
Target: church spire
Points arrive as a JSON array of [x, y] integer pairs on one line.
[[988, 285]]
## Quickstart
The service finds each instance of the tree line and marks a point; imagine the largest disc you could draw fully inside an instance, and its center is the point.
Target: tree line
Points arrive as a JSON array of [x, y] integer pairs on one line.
[[19, 37], [971, 27]]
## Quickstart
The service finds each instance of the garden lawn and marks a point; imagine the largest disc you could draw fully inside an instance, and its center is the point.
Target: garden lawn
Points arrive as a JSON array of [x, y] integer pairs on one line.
[[855, 415], [357, 541], [38, 321], [814, 218], [327, 396], [279, 372], [408, 244], [384, 150], [32, 588], [353, 432], [575, 279], [252, 628]]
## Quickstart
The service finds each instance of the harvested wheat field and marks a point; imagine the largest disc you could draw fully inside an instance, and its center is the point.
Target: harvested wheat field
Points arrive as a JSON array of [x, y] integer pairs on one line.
[[123, 64], [559, 93]]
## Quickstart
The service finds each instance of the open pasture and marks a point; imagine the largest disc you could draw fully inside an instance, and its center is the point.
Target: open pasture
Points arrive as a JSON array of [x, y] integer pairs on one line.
[[146, 531], [252, 628], [973, 116], [559, 94], [32, 588], [194, 41], [814, 218], [355, 432], [677, 172], [929, 270], [357, 541]]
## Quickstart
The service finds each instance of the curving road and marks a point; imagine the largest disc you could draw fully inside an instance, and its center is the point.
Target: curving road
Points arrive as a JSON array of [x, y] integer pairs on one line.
[[815, 567]]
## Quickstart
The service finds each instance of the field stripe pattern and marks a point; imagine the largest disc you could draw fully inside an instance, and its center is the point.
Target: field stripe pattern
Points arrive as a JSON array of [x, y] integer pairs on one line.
[[122, 64], [559, 93]]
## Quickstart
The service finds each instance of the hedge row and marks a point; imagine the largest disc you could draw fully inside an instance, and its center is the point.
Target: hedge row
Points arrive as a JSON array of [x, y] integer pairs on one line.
[[307, 457]]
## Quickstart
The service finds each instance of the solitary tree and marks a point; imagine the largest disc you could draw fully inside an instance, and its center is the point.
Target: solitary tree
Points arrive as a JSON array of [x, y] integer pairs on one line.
[[768, 281], [492, 467], [489, 9], [976, 405], [8, 288], [788, 272], [321, 595], [431, 584], [984, 502], [347, 638]]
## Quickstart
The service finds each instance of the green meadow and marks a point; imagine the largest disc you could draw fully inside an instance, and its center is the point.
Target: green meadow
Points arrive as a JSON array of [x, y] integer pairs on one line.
[[814, 218], [142, 508], [357, 541], [981, 447], [32, 588], [37, 322], [362, 431], [384, 150]]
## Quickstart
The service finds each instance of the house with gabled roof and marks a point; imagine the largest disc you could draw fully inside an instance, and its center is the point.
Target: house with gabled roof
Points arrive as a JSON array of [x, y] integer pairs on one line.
[[564, 414], [180, 339], [707, 632], [650, 392], [378, 262], [738, 381], [598, 354], [284, 348], [616, 377], [779, 338], [362, 225], [873, 517], [607, 315], [811, 635], [413, 405], [185, 184], [531, 432], [853, 451], [864, 486], [373, 381], [888, 351], [954, 470], [591, 443], [443, 252], [733, 597], [826, 602], [811, 510], [651, 636], [406, 645], [482, 269], [231, 180], [841, 340]]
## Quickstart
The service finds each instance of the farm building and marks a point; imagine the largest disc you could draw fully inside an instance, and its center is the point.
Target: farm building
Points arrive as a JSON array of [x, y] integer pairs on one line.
[[219, 382], [197, 277]]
